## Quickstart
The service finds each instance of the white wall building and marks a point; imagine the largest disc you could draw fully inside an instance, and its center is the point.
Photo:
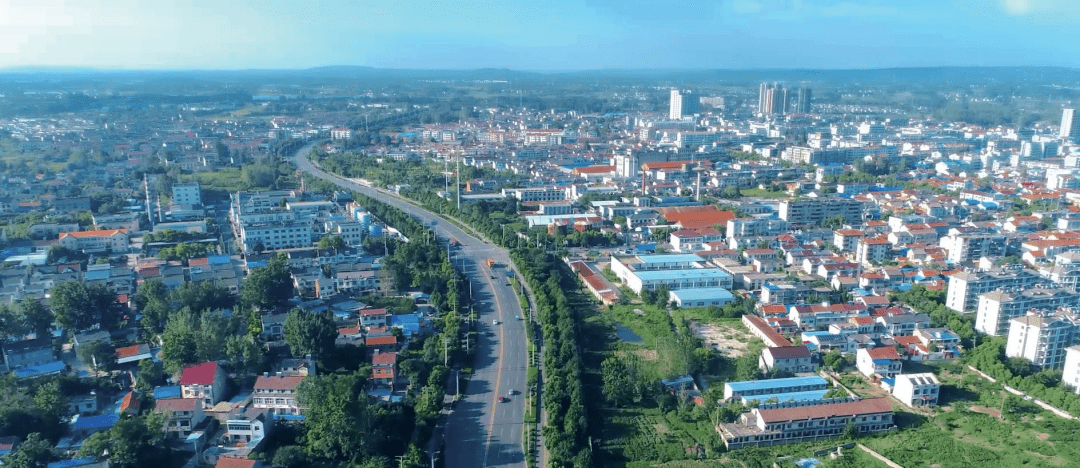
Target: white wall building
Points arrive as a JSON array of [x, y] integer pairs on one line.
[[917, 389]]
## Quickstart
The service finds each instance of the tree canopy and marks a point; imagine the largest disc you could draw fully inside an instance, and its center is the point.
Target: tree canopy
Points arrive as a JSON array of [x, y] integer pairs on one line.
[[269, 287], [310, 333], [80, 306]]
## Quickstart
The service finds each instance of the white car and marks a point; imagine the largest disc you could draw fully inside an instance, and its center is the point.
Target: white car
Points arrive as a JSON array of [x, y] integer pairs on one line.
[[494, 322]]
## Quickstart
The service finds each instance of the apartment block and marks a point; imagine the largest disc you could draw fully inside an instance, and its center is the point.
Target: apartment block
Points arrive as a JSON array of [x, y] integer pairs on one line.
[[277, 393], [966, 287], [1043, 339], [811, 212], [997, 308], [1071, 373]]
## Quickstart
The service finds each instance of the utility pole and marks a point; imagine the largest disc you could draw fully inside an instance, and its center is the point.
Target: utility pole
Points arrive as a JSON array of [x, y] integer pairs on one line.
[[446, 351], [400, 460], [459, 184], [433, 454]]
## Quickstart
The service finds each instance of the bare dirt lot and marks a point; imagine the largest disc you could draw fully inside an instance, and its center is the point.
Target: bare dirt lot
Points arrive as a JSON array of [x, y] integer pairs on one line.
[[726, 339]]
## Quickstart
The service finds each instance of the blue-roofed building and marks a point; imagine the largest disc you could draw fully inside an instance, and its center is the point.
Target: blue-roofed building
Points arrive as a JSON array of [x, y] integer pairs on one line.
[[97, 275], [218, 259], [408, 323], [86, 425], [163, 393], [751, 388], [74, 462], [789, 397], [703, 297], [49, 368]]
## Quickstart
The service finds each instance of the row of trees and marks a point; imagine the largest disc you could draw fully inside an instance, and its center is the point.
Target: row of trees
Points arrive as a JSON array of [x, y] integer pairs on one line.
[[990, 358], [566, 433]]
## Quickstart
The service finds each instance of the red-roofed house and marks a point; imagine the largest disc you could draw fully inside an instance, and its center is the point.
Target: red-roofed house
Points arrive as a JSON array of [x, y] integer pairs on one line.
[[205, 382], [384, 369], [108, 240], [133, 353], [277, 393], [777, 426], [130, 404], [371, 318], [883, 361]]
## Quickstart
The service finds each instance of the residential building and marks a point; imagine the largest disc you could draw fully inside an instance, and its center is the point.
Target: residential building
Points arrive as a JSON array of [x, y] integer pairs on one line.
[[902, 324], [1071, 374], [792, 359], [205, 382], [884, 361], [917, 389], [373, 318], [28, 353], [776, 292], [749, 227], [764, 427], [187, 193], [965, 287], [249, 427], [100, 241], [182, 415], [847, 240], [277, 393], [814, 211], [997, 308], [772, 99], [963, 248], [682, 103], [1070, 124], [384, 369], [872, 250], [803, 101], [1043, 339]]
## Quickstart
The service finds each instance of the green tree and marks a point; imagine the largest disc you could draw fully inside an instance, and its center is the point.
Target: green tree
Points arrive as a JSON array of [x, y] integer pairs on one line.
[[618, 381], [34, 317], [36, 452], [269, 287], [131, 442], [51, 401], [80, 306], [663, 294], [834, 222], [340, 422], [244, 353], [331, 242], [291, 456], [310, 333], [179, 342], [99, 354]]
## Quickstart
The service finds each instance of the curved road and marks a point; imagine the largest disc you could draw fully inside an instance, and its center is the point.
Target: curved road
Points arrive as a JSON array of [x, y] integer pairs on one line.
[[481, 432]]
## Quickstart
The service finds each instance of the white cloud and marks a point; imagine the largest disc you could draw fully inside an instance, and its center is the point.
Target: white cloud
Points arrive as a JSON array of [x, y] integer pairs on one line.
[[1018, 7]]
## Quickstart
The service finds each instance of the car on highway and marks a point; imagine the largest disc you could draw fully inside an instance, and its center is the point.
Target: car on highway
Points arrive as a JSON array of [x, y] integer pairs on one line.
[[517, 317], [494, 322], [503, 399], [510, 392]]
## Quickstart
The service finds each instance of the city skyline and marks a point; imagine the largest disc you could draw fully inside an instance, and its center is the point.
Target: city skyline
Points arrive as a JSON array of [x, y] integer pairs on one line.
[[562, 35]]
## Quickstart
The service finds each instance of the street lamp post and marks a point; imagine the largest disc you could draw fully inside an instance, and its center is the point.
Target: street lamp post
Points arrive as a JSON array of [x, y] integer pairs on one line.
[[433, 455]]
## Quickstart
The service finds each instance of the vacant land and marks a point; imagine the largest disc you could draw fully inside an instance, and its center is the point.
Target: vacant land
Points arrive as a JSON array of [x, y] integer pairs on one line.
[[724, 337]]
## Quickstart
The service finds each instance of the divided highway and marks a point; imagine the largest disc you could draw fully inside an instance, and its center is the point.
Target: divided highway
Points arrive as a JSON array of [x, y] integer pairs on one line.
[[481, 431]]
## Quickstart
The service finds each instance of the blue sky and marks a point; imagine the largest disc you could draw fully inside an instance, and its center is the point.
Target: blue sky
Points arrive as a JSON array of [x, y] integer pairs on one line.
[[538, 35]]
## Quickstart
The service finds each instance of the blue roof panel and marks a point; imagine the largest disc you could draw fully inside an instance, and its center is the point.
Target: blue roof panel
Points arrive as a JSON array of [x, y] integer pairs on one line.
[[776, 383]]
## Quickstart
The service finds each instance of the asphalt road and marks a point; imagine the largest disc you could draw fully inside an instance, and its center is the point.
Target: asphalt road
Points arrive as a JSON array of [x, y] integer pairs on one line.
[[481, 432]]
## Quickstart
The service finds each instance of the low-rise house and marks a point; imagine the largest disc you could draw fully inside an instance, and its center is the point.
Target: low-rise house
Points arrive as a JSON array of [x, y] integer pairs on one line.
[[384, 369], [373, 318], [205, 382], [917, 389], [791, 359], [883, 361], [764, 427], [277, 393], [28, 353], [903, 324]]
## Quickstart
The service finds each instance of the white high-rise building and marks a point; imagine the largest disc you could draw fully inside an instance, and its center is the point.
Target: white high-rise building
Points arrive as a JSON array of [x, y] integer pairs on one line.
[[1070, 125], [683, 103]]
